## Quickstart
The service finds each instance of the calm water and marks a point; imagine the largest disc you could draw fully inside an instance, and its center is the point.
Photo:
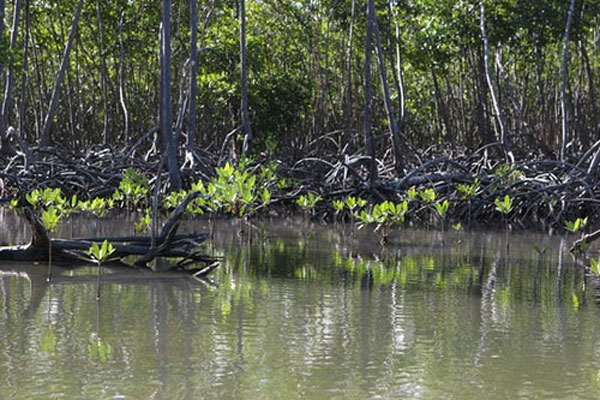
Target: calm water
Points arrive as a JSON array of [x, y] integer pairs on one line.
[[299, 315]]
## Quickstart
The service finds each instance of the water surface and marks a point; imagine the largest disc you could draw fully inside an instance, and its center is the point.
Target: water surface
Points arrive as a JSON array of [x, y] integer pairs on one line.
[[300, 311]]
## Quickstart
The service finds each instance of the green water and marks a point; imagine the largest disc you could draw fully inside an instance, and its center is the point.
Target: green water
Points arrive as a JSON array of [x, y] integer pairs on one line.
[[319, 315]]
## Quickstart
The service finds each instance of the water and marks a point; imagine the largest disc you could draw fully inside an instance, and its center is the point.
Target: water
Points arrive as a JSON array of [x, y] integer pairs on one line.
[[309, 312]]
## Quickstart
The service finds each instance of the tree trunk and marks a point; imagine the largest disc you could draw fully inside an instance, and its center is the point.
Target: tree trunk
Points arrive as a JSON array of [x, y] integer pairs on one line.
[[59, 78], [122, 80], [398, 158], [2, 13], [166, 112], [103, 74], [563, 91], [369, 145], [24, 75], [348, 97], [442, 108], [247, 145], [398, 70], [488, 76], [191, 131], [6, 104]]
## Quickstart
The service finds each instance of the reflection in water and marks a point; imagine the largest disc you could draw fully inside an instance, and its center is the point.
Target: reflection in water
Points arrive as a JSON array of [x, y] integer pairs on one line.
[[309, 312]]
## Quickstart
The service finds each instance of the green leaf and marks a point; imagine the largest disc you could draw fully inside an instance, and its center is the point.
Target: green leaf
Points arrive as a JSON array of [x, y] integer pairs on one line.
[[338, 205], [504, 206], [442, 207], [577, 225], [412, 193], [428, 195], [14, 203], [595, 266], [50, 218], [101, 253]]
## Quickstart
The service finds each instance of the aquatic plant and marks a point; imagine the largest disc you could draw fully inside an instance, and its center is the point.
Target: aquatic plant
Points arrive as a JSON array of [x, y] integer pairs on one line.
[[308, 202], [144, 221], [133, 187], [428, 195], [100, 254], [468, 191], [412, 193], [577, 225], [442, 207], [338, 206], [505, 205], [384, 215], [97, 206], [50, 218]]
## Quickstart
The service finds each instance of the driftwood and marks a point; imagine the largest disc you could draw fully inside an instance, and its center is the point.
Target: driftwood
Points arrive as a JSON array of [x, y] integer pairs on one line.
[[168, 244], [587, 238]]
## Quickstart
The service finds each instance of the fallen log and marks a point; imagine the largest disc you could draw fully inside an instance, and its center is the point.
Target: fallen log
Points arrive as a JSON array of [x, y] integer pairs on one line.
[[168, 244]]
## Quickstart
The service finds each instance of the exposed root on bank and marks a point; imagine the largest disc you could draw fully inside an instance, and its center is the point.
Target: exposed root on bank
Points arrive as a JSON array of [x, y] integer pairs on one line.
[[545, 192]]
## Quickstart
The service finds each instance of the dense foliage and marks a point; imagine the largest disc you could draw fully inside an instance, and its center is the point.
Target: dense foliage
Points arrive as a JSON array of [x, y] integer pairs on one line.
[[306, 64]]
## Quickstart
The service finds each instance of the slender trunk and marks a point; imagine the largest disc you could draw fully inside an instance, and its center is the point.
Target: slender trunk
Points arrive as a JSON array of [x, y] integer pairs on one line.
[[563, 91], [122, 81], [398, 73], [24, 75], [488, 76], [191, 131], [348, 97], [6, 104], [398, 158], [104, 74], [247, 145], [369, 145], [2, 13], [166, 111], [442, 107], [49, 276], [99, 282], [59, 78], [592, 91]]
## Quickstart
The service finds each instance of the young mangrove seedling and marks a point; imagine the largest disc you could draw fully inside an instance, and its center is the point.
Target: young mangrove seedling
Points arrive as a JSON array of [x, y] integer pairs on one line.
[[144, 222], [428, 195], [577, 225], [412, 193], [52, 205], [353, 204], [308, 202], [385, 215], [505, 207], [442, 210], [338, 206], [100, 254], [50, 219], [468, 192]]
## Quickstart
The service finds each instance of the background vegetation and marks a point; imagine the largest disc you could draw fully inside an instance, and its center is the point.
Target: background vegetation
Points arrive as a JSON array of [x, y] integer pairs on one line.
[[306, 73]]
